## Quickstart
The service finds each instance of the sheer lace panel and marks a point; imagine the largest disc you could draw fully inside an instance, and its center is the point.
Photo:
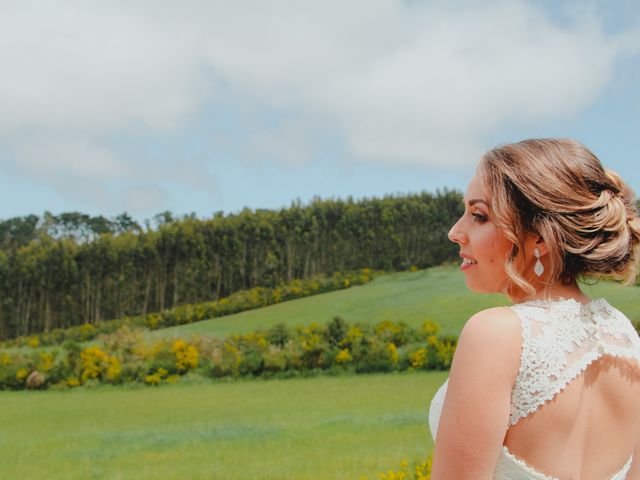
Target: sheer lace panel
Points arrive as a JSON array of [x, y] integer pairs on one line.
[[559, 340]]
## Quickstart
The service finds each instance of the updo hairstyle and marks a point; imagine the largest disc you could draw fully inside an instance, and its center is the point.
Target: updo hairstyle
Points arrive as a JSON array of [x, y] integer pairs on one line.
[[558, 189]]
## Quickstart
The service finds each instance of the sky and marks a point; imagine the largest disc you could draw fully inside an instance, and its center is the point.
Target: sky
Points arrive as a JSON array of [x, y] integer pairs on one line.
[[201, 106]]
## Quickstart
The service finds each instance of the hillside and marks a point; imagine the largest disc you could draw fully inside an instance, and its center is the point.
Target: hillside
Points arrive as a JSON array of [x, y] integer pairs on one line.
[[438, 294]]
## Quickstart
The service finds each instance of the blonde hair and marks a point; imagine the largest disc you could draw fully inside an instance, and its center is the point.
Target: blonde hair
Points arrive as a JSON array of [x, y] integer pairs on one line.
[[558, 189]]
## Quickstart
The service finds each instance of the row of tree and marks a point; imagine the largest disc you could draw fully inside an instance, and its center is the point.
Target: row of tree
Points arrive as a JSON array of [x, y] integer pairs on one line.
[[58, 272]]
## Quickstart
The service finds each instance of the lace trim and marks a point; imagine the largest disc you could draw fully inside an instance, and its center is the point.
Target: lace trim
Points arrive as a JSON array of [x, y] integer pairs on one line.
[[519, 413], [520, 464], [535, 474], [543, 371]]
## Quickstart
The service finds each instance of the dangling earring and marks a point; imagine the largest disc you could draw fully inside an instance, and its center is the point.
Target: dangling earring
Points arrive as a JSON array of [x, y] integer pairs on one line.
[[538, 268]]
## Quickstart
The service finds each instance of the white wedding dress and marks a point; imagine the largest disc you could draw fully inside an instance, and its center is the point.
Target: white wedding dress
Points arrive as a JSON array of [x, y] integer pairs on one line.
[[560, 338]]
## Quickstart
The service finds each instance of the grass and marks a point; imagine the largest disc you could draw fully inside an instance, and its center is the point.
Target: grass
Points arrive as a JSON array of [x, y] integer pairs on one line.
[[315, 428], [437, 294]]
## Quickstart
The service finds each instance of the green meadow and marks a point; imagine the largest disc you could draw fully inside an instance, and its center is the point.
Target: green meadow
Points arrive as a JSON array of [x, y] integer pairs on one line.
[[438, 294], [323, 427], [313, 428]]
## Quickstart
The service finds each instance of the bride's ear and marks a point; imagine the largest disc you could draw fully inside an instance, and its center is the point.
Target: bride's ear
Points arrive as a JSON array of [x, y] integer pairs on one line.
[[536, 241]]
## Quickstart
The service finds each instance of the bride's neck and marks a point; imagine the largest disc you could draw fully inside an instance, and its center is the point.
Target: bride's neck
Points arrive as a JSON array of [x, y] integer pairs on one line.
[[554, 292]]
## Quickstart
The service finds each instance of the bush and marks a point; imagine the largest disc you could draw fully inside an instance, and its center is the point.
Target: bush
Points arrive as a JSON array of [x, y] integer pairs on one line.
[[398, 333], [377, 359], [280, 351], [13, 376], [186, 355], [275, 360], [278, 335], [445, 348], [336, 331], [98, 365]]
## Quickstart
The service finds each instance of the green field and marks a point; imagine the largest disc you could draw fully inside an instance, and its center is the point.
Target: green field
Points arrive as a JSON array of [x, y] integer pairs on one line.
[[305, 428], [437, 294], [314, 428]]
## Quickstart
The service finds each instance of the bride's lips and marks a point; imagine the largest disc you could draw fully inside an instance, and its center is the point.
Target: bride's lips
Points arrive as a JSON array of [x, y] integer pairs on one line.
[[469, 263]]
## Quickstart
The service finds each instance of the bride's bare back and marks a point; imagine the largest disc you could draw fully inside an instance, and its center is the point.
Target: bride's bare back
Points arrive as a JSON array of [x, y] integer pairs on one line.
[[590, 429]]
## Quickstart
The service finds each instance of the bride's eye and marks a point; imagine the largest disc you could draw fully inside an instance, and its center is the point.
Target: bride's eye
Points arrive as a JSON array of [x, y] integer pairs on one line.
[[479, 217]]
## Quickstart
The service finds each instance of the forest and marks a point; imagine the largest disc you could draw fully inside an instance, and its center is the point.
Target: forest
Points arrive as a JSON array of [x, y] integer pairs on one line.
[[58, 271]]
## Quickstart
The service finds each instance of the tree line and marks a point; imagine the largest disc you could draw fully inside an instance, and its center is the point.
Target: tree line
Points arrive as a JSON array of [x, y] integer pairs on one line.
[[70, 269]]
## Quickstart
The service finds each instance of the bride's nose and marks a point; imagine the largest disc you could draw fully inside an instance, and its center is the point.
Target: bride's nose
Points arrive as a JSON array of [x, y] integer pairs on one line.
[[456, 235]]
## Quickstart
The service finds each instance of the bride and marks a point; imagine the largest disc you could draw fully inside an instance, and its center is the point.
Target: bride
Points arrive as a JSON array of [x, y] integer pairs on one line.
[[548, 388]]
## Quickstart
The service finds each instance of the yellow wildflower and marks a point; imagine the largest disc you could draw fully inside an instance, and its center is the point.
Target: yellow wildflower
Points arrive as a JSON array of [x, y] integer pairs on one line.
[[418, 358], [343, 356], [430, 328], [46, 362], [73, 382], [186, 355], [393, 352]]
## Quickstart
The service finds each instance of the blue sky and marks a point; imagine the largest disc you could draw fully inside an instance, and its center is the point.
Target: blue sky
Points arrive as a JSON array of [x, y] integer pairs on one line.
[[201, 106]]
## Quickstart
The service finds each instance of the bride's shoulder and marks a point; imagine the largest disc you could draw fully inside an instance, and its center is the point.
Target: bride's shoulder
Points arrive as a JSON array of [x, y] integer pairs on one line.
[[488, 349], [495, 329], [500, 322]]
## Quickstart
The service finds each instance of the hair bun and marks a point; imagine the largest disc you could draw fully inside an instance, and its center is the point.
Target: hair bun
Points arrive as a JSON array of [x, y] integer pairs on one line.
[[616, 181], [612, 216], [586, 214]]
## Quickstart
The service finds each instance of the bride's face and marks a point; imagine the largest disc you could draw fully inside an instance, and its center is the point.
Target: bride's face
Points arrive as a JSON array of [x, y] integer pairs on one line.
[[483, 247]]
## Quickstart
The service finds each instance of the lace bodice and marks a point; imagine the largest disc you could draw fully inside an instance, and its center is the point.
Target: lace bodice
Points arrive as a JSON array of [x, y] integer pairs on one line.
[[559, 340]]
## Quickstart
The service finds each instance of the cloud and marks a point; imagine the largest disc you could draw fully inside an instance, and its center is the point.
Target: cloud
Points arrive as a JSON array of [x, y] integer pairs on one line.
[[141, 199], [413, 83], [58, 156], [393, 82]]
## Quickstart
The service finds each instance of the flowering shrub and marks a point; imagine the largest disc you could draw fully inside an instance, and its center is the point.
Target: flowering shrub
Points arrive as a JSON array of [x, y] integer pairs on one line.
[[343, 356], [186, 355], [13, 376], [127, 356], [429, 328], [397, 333], [278, 335], [314, 346], [355, 341], [336, 331], [96, 364], [46, 362], [378, 357], [393, 353], [418, 359], [275, 360], [156, 378], [445, 348]]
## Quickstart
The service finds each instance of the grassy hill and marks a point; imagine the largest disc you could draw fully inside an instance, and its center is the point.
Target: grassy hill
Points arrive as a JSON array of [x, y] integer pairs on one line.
[[438, 294]]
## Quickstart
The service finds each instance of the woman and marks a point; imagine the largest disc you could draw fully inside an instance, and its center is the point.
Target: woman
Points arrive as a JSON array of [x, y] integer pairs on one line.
[[549, 387]]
